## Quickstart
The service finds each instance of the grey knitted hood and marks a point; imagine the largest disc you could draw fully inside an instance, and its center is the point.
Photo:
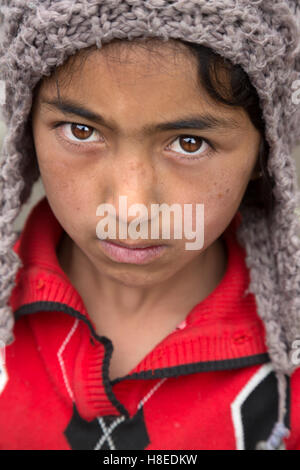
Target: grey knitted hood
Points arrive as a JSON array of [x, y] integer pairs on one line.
[[262, 36]]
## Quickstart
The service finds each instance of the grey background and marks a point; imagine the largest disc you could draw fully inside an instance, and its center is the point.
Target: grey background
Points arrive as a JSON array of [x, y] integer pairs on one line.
[[38, 190]]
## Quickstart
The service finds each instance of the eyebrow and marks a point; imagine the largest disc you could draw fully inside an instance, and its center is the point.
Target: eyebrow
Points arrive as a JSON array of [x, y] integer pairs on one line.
[[201, 122]]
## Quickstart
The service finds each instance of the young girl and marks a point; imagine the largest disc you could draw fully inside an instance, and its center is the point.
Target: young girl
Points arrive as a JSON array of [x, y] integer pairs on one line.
[[129, 342]]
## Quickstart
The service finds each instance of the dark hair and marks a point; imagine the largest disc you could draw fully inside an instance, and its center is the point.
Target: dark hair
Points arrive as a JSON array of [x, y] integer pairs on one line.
[[241, 93]]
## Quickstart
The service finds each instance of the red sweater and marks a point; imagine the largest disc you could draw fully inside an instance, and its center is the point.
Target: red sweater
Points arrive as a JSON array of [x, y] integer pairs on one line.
[[208, 385]]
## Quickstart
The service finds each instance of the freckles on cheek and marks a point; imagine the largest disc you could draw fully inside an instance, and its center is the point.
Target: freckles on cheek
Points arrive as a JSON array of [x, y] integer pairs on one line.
[[219, 191], [223, 194], [228, 196], [221, 200]]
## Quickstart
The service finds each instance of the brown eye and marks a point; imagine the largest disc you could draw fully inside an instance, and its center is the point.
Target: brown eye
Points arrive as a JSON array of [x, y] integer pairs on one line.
[[75, 133], [190, 143], [81, 131], [191, 146]]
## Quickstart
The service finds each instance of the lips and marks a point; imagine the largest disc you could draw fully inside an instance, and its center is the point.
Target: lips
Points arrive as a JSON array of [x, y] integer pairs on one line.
[[133, 246], [138, 253]]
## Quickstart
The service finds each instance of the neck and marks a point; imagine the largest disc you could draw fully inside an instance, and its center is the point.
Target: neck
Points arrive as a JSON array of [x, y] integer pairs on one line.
[[174, 297]]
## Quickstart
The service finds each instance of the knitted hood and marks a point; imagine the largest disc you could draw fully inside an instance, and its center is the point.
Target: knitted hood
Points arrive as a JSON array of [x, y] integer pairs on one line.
[[262, 36]]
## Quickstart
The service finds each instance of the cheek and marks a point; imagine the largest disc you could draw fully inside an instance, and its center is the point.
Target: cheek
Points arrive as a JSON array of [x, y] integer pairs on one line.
[[221, 198], [227, 190], [213, 193], [60, 185], [221, 205], [59, 170], [68, 191], [64, 177], [63, 200]]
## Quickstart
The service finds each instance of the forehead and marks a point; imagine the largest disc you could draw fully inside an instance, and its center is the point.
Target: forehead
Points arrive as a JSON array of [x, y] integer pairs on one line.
[[148, 77], [127, 62]]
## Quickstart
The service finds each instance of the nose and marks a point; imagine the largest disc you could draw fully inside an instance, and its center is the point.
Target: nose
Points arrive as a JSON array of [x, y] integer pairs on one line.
[[132, 180]]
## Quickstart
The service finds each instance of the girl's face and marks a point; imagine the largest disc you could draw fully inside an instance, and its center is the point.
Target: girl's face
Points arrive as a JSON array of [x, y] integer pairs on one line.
[[116, 142]]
